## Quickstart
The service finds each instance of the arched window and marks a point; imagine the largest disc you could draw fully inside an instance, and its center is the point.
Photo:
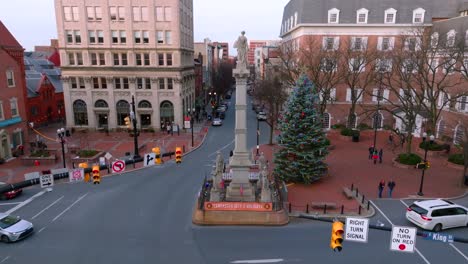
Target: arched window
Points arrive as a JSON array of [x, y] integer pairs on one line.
[[101, 104], [123, 110], [441, 128], [144, 104], [459, 135], [80, 113], [167, 112], [377, 120], [326, 121]]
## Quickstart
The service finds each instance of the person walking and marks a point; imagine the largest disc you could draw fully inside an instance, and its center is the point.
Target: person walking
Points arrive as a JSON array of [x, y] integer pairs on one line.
[[168, 128], [391, 185], [380, 155], [381, 187], [371, 151], [375, 156]]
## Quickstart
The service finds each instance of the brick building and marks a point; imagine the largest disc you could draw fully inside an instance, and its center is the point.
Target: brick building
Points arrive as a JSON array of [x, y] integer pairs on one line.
[[13, 121]]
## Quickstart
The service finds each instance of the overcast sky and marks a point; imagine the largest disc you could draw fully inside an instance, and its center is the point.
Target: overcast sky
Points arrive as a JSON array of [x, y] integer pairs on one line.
[[32, 22]]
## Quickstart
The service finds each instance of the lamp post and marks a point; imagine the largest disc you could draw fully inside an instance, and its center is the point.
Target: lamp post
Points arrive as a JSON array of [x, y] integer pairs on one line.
[[135, 131], [258, 135], [431, 140], [191, 112], [378, 109], [61, 135]]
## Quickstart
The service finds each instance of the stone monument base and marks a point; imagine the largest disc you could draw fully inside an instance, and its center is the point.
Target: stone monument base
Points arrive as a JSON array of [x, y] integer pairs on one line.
[[233, 193], [273, 218]]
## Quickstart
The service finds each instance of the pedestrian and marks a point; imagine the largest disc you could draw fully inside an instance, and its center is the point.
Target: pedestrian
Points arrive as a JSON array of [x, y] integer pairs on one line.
[[381, 187], [380, 155], [375, 156], [168, 128], [391, 185], [390, 139], [371, 151]]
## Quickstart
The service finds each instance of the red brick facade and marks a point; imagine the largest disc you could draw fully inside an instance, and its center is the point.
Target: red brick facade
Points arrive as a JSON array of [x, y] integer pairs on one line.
[[48, 106]]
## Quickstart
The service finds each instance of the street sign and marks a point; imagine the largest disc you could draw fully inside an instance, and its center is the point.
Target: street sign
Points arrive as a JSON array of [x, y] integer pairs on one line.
[[76, 175], [403, 239], [108, 156], [357, 229], [187, 124], [102, 161], [47, 180], [149, 159], [118, 166], [438, 237]]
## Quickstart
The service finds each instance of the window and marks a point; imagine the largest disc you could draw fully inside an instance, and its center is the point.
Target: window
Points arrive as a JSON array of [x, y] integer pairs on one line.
[[123, 37], [142, 59], [326, 121], [434, 40], [138, 59], [75, 58], [92, 37], [449, 66], [73, 36], [140, 13], [331, 43], [170, 83], [115, 36], [462, 102], [411, 44], [450, 38], [459, 135], [357, 64], [124, 59], [80, 113], [102, 59], [14, 107], [161, 59], [169, 59], [117, 13], [160, 37], [333, 16], [100, 35], [75, 13], [99, 82], [79, 59], [358, 43], [69, 36], [139, 83], [71, 58], [125, 83], [409, 66], [117, 83], [390, 16], [143, 83], [418, 15], [385, 43], [81, 83], [328, 65], [94, 59], [162, 84], [77, 37], [383, 65], [145, 37], [73, 83], [94, 13], [137, 37], [123, 111], [95, 82], [168, 14], [159, 13], [71, 13], [354, 94], [10, 77], [116, 59], [362, 16], [441, 126]]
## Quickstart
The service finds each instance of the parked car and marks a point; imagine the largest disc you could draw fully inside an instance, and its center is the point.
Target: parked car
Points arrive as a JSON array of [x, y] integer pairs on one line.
[[217, 122], [228, 96], [220, 114], [221, 108], [10, 194], [261, 116], [437, 214], [13, 228], [258, 109]]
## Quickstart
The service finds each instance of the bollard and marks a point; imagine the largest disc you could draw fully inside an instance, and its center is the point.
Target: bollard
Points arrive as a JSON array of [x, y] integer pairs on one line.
[[368, 205], [363, 196], [289, 207], [307, 208], [359, 212], [352, 186], [108, 168], [325, 209], [357, 192], [342, 209], [183, 148]]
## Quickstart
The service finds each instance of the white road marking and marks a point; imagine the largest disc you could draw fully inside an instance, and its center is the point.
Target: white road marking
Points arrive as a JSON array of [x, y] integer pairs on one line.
[[56, 201], [225, 146], [68, 208], [41, 229], [258, 261], [25, 202], [5, 259], [9, 203], [454, 247], [415, 249]]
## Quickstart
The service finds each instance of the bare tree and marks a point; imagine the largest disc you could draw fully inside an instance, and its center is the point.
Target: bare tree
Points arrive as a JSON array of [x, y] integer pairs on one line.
[[272, 93]]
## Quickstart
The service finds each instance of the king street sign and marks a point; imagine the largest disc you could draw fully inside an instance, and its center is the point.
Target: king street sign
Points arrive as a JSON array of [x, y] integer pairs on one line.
[[438, 237]]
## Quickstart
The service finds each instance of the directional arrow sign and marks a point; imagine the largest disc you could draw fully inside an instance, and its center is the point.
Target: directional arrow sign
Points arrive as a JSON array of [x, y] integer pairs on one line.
[[46, 180]]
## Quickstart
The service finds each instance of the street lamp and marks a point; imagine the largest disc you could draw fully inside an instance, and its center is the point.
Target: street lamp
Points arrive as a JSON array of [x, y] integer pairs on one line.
[[191, 112], [61, 135], [258, 134], [431, 140], [135, 131], [376, 119]]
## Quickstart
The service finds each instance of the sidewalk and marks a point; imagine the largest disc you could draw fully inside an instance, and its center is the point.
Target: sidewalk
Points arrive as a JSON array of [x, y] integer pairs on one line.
[[349, 165], [116, 143]]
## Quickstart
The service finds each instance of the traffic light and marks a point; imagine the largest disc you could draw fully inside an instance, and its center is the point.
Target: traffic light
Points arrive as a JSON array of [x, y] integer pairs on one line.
[[178, 155], [96, 174], [127, 122], [157, 152], [84, 165], [421, 166], [428, 164], [337, 236]]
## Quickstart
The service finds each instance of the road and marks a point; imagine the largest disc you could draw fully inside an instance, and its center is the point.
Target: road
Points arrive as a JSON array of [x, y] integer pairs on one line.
[[145, 217]]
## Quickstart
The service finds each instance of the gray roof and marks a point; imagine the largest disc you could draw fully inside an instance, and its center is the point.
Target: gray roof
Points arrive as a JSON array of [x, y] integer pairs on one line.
[[36, 65], [316, 11], [459, 24]]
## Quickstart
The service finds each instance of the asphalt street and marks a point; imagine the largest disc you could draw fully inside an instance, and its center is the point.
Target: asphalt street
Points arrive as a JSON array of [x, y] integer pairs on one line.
[[145, 217]]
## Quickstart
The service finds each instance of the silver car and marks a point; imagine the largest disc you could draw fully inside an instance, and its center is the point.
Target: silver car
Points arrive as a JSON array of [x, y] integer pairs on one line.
[[13, 228]]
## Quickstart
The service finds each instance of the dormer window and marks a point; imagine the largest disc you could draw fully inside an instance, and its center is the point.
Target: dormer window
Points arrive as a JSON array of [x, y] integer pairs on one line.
[[333, 16], [418, 15], [295, 19], [451, 38], [362, 16], [390, 16]]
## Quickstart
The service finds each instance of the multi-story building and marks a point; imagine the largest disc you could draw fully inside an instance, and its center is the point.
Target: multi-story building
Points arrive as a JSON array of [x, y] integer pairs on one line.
[[383, 27], [13, 121], [253, 44], [113, 51], [223, 50]]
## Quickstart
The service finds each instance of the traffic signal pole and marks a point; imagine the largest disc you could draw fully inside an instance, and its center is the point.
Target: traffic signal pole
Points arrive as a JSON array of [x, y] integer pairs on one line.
[[135, 131]]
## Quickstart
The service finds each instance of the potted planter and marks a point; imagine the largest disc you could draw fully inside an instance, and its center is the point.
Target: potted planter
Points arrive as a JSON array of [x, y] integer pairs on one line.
[[406, 160]]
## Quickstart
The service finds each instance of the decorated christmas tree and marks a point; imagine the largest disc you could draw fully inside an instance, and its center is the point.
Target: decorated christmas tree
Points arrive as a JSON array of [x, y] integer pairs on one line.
[[303, 142]]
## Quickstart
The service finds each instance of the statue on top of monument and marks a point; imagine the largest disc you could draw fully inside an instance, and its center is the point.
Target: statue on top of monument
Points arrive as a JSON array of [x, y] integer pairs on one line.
[[241, 45]]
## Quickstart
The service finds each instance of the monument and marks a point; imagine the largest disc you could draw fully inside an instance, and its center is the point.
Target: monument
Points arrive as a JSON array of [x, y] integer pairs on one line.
[[240, 188]]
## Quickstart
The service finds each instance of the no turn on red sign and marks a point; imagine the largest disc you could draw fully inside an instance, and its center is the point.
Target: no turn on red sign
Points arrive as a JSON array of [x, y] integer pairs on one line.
[[403, 239]]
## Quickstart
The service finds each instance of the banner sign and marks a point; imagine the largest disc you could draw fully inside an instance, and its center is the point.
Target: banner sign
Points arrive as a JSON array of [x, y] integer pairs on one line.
[[238, 206]]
